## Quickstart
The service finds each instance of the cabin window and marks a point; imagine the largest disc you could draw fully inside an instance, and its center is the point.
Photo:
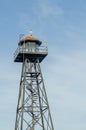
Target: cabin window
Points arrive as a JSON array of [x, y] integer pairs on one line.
[[31, 46]]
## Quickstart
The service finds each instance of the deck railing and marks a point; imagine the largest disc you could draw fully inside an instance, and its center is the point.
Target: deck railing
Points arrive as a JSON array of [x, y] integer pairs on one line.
[[30, 50]]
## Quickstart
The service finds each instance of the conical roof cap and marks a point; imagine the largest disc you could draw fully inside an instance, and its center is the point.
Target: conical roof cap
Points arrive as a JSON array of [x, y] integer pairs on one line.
[[29, 39]]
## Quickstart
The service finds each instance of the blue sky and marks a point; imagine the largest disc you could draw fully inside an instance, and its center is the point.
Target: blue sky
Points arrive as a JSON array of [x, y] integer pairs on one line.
[[62, 23]]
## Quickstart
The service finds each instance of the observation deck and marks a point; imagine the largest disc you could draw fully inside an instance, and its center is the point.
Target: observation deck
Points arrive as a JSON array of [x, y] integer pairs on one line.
[[31, 53]]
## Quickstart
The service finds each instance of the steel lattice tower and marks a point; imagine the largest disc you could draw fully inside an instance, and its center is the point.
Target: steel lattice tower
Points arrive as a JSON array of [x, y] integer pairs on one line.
[[33, 112]]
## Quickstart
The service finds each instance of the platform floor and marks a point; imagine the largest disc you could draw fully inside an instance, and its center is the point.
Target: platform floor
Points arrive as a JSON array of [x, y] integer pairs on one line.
[[20, 57]]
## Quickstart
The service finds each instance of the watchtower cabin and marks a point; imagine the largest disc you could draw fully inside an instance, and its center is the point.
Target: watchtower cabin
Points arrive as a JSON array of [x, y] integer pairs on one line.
[[30, 48]]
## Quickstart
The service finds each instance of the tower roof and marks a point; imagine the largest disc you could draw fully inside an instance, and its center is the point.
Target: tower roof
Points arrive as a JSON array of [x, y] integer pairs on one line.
[[29, 39]]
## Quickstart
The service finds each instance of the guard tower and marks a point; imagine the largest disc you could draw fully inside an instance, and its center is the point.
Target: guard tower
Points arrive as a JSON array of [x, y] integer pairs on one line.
[[33, 112]]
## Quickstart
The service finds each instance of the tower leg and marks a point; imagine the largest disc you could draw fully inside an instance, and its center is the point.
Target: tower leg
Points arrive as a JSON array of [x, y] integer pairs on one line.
[[33, 112]]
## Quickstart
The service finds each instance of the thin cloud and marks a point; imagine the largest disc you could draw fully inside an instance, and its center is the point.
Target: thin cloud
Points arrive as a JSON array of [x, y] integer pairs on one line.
[[45, 9]]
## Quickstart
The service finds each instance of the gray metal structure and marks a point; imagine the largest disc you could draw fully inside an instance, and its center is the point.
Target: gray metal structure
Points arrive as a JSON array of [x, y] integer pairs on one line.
[[33, 112]]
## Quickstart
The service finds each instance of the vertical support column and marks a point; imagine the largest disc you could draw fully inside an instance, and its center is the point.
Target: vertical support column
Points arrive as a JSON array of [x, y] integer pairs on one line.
[[40, 104], [39, 68], [20, 106], [20, 88], [23, 93]]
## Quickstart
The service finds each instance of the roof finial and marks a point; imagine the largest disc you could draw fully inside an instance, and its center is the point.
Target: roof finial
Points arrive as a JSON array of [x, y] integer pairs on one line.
[[30, 32]]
